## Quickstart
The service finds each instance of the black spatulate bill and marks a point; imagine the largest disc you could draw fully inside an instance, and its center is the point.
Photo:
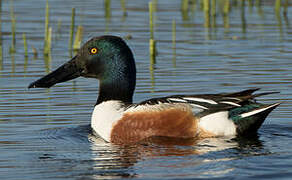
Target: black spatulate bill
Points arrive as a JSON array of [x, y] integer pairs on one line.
[[70, 70]]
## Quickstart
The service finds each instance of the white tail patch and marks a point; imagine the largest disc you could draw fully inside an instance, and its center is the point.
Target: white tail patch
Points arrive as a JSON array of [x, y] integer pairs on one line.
[[200, 100], [218, 124], [257, 111], [231, 103]]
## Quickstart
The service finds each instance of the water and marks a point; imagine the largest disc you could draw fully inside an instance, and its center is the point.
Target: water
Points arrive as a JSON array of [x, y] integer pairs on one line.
[[45, 134]]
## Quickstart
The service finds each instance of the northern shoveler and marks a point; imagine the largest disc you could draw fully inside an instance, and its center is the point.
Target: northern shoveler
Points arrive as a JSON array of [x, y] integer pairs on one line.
[[118, 120]]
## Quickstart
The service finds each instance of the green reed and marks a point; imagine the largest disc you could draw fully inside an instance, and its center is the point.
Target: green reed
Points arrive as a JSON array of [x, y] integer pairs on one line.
[[48, 60], [48, 34], [213, 8], [35, 53], [173, 34], [78, 38], [207, 13], [185, 5], [226, 8], [1, 49], [185, 9], [152, 43], [47, 49], [13, 29], [174, 42], [285, 10], [123, 6], [277, 7], [242, 15], [107, 9], [72, 30], [25, 45], [151, 25]]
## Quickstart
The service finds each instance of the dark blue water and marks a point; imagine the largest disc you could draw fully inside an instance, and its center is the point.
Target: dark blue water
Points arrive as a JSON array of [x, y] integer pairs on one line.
[[45, 134]]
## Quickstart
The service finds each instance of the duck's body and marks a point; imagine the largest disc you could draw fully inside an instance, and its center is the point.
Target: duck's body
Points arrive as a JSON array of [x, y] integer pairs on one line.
[[192, 116], [117, 119]]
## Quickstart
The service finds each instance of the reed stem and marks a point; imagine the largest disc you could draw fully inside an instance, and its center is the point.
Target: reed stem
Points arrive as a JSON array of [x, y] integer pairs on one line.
[[277, 7], [285, 11], [46, 51], [123, 5], [173, 34], [226, 8], [1, 53], [78, 38], [35, 53], [13, 29], [72, 30], [185, 5], [152, 49], [207, 13], [151, 20], [107, 9], [25, 45], [174, 42]]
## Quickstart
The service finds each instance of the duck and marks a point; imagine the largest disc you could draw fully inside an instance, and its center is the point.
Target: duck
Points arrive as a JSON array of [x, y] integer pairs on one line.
[[116, 119]]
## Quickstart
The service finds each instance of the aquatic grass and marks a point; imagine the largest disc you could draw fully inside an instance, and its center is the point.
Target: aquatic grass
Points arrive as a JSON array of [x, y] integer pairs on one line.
[[151, 25], [1, 48], [152, 49], [47, 49], [13, 29], [193, 7], [59, 26], [78, 38], [226, 8], [48, 60], [277, 7], [12, 63], [242, 15], [258, 4], [285, 10], [107, 9], [35, 53], [185, 9], [173, 34], [185, 5], [123, 6], [72, 30], [174, 42], [207, 13], [213, 13], [47, 38], [25, 45], [152, 43]]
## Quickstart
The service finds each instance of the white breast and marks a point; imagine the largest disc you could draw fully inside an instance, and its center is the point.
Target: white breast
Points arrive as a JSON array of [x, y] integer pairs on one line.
[[104, 117]]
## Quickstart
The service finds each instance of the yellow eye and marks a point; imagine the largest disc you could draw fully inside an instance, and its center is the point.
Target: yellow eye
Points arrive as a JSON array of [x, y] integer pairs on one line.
[[93, 50]]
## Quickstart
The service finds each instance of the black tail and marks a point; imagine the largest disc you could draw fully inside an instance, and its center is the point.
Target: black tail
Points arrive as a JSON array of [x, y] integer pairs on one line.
[[251, 121]]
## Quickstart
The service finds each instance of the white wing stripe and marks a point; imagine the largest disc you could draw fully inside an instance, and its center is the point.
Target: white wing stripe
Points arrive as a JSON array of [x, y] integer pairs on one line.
[[200, 100], [237, 99], [231, 103], [177, 100], [198, 106], [257, 111]]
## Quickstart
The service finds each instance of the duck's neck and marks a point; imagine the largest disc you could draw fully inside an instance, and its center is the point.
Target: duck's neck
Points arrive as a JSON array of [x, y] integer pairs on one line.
[[119, 90], [120, 84]]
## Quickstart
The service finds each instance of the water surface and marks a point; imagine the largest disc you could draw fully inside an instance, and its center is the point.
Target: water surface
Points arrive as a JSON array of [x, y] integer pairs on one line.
[[45, 133]]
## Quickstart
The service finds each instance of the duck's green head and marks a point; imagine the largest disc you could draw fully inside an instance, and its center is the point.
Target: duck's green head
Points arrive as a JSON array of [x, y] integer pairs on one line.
[[107, 58]]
